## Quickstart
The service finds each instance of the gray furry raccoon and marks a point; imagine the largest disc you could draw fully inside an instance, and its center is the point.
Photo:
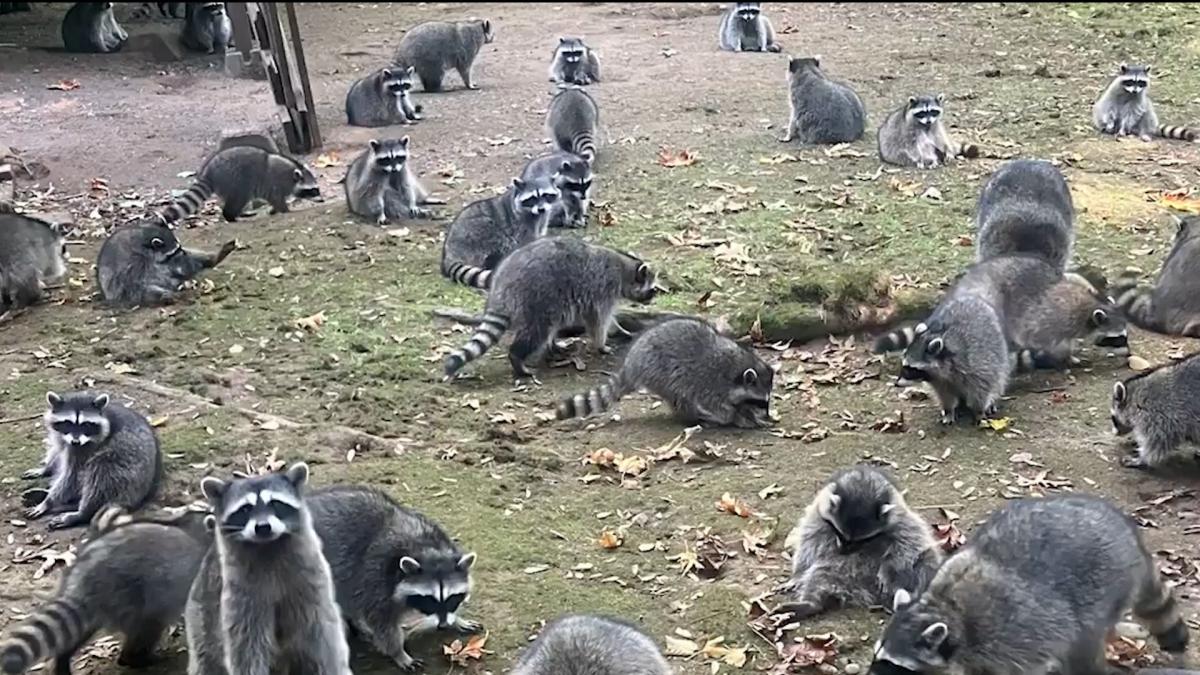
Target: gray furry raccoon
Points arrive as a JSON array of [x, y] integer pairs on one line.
[[91, 27], [241, 174], [434, 47], [572, 121], [33, 255], [1125, 108], [744, 28], [574, 62], [207, 28], [1172, 306], [1026, 209], [915, 135], [573, 177], [381, 99], [1161, 408], [822, 111], [145, 265], [582, 644]]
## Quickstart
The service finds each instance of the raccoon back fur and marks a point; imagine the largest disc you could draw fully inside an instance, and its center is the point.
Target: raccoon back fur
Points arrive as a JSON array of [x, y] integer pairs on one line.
[[434, 47], [1161, 408], [915, 135], [857, 544], [1172, 306], [33, 255], [1037, 588], [145, 265], [583, 644], [1047, 328], [1125, 109], [574, 62], [744, 28], [706, 377], [822, 111], [380, 184], [1025, 208], [573, 177], [572, 121], [91, 27], [207, 28], [241, 174], [382, 99]]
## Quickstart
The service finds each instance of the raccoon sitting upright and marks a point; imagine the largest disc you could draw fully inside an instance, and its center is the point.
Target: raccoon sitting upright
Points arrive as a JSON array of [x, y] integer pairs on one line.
[[915, 135], [381, 186], [97, 453], [488, 230], [572, 121], [744, 28], [585, 644], [822, 111], [1125, 109], [382, 99], [241, 174], [706, 377], [396, 572], [574, 62], [1172, 306], [33, 255], [146, 266], [1161, 408], [434, 47], [1037, 588], [857, 544], [572, 175], [1026, 209], [207, 28], [91, 27], [551, 284]]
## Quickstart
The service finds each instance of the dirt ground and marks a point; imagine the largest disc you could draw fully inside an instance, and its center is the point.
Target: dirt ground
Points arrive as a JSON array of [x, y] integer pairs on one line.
[[735, 234]]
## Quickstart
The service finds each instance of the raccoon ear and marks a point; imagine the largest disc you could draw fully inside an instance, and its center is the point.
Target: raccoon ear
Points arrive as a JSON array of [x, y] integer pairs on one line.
[[1124, 68], [566, 166], [816, 60], [936, 346], [386, 73], [921, 328], [53, 399], [835, 500], [409, 565], [297, 474], [1119, 392], [411, 70], [562, 40], [404, 141], [518, 183], [793, 65], [886, 509], [1099, 316], [935, 635], [487, 26], [465, 562], [749, 376], [374, 144], [210, 523], [643, 273], [900, 599], [213, 489], [157, 243], [100, 401], [1180, 223], [912, 100]]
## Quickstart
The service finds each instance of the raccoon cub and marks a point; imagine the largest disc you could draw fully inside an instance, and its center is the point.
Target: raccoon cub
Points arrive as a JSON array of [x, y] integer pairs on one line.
[[97, 453], [745, 29], [382, 99], [915, 135], [241, 174], [705, 376], [486, 231], [145, 265], [92, 27], [585, 644], [857, 544], [1172, 307], [130, 577], [550, 284], [1026, 209], [572, 175], [207, 28], [1069, 310], [380, 185], [572, 121], [396, 571], [33, 255], [1161, 408], [574, 62], [822, 111], [263, 600], [432, 48], [1125, 109], [1038, 586]]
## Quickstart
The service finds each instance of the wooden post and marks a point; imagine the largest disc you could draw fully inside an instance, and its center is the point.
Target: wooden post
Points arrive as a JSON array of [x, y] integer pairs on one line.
[[309, 111]]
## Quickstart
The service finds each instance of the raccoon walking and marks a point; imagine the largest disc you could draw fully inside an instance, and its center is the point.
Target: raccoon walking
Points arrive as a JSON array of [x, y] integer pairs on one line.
[[1172, 306], [915, 135], [488, 230], [583, 644], [33, 255], [207, 28], [572, 175], [1039, 585], [434, 47], [822, 111], [396, 571], [744, 28], [97, 453], [574, 62], [380, 185], [145, 266], [241, 174], [91, 27], [706, 377], [548, 285], [263, 600], [1026, 209], [1161, 408], [382, 99], [131, 578], [857, 544], [572, 121], [1125, 109]]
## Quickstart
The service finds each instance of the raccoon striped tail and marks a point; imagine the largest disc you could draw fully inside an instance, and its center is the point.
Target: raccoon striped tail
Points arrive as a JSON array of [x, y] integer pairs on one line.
[[1158, 610], [1029, 360], [970, 151], [491, 327], [109, 517], [584, 145], [897, 340], [188, 203], [594, 401], [468, 275], [52, 630], [1138, 305], [1178, 133]]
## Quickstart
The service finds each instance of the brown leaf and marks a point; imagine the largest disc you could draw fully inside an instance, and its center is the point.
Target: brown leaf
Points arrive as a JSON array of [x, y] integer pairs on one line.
[[459, 653], [710, 557], [811, 650], [948, 536], [678, 647], [64, 85], [755, 543], [605, 216], [670, 158], [730, 504], [1137, 364], [326, 159], [311, 323], [893, 424], [610, 540]]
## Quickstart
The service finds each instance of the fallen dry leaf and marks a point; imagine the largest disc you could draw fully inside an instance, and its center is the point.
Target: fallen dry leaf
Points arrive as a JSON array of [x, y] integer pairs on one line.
[[680, 648], [755, 543], [610, 540], [770, 491], [671, 159], [948, 536], [1000, 424], [159, 420], [1181, 201], [326, 159], [730, 504], [311, 323], [1137, 364], [716, 650], [459, 653], [64, 85], [811, 650]]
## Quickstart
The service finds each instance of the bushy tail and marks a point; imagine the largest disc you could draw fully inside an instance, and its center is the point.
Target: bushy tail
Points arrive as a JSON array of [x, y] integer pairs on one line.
[[491, 327], [1178, 133], [969, 150], [594, 401], [188, 203], [897, 340], [52, 630], [108, 518], [1138, 305], [1159, 611], [468, 275], [583, 144]]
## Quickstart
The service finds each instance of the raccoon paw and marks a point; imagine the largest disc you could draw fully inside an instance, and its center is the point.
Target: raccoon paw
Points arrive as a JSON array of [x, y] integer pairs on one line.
[[410, 665], [774, 48], [381, 219], [798, 610], [1145, 138], [1134, 461], [61, 522], [33, 474], [468, 627], [38, 511]]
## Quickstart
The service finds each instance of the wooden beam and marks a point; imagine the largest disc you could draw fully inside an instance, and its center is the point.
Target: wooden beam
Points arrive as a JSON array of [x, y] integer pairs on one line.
[[309, 112]]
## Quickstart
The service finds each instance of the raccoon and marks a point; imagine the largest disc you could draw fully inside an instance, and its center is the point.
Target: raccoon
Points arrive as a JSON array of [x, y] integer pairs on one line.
[[1124, 109], [241, 174], [1026, 209], [145, 265], [382, 99], [91, 27], [857, 544], [396, 571], [263, 600], [1159, 407], [130, 577], [705, 376], [33, 255], [97, 453], [488, 230], [1037, 588], [584, 644], [1070, 310], [1172, 306], [380, 185], [432, 48], [822, 111], [914, 135], [572, 175], [550, 284], [572, 121], [744, 28], [574, 62], [207, 28]]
